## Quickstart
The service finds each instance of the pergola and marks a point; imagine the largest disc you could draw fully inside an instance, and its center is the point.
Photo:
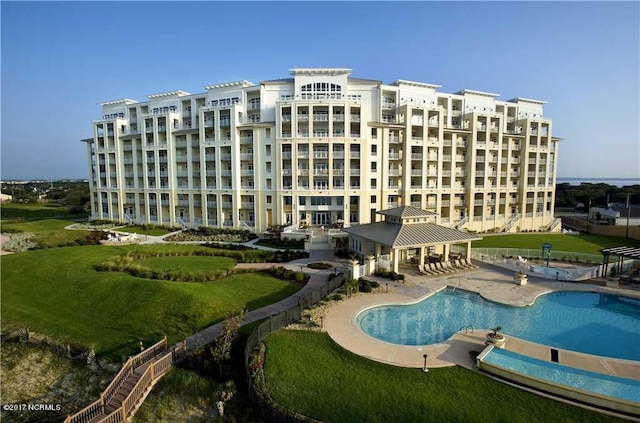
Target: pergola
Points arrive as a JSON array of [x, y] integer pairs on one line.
[[406, 228], [622, 253]]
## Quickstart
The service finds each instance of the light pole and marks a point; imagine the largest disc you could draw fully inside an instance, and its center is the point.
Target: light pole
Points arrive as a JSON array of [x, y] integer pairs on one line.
[[588, 214], [424, 368]]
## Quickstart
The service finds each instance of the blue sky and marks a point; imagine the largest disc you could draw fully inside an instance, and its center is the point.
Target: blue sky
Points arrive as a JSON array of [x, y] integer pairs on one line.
[[60, 59]]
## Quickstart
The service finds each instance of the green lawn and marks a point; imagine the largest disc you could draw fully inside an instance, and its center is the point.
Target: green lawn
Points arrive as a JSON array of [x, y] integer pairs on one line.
[[49, 232], [307, 372], [190, 264], [27, 212], [59, 293], [584, 243], [144, 231]]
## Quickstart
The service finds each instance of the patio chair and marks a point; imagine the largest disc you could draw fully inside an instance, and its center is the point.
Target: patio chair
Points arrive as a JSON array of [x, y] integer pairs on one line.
[[435, 268]]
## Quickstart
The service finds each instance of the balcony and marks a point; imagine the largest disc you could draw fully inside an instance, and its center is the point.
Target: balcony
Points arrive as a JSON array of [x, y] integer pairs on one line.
[[392, 172], [246, 172], [338, 118], [415, 172], [354, 118], [246, 156], [245, 140], [393, 139], [354, 154], [338, 154], [225, 157], [303, 118], [287, 172], [320, 117], [286, 154], [320, 172], [320, 154], [247, 205], [286, 118], [338, 172], [414, 156], [354, 172]]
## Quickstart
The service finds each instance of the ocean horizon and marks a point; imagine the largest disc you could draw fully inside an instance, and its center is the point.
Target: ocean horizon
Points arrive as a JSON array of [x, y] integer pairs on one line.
[[619, 182]]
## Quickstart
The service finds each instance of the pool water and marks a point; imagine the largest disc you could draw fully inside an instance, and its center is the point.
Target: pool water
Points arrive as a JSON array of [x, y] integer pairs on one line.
[[592, 323], [614, 386]]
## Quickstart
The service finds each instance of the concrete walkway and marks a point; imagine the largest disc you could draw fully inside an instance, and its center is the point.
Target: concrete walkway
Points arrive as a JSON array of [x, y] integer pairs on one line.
[[491, 283], [316, 280]]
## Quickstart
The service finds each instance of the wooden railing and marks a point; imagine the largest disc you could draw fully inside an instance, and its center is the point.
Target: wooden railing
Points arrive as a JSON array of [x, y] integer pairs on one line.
[[158, 366]]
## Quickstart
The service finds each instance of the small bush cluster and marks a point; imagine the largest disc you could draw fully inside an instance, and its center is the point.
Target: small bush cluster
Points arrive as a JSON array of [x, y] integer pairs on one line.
[[19, 242], [93, 225], [288, 275], [335, 297], [206, 234], [366, 285], [390, 275], [319, 266]]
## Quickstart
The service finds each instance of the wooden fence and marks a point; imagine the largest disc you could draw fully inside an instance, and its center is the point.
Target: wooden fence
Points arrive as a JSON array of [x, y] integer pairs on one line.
[[274, 412], [155, 360]]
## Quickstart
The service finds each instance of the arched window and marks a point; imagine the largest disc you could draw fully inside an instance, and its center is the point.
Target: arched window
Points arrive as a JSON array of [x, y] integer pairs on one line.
[[321, 87]]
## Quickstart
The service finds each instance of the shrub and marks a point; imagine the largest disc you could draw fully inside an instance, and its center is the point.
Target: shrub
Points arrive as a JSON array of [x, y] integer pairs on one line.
[[374, 284], [364, 285], [19, 242], [335, 297], [299, 276], [319, 266]]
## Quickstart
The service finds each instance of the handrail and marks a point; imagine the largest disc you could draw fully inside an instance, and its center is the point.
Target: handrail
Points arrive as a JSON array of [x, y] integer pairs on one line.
[[96, 409]]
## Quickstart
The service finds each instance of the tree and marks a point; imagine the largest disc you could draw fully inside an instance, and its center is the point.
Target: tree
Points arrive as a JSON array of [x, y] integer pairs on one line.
[[221, 350]]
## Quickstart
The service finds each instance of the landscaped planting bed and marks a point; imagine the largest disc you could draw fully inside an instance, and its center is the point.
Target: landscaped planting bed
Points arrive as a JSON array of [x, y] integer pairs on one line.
[[206, 234]]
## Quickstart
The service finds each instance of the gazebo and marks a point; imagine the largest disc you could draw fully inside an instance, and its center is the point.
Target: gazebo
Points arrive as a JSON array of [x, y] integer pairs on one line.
[[404, 229], [622, 253]]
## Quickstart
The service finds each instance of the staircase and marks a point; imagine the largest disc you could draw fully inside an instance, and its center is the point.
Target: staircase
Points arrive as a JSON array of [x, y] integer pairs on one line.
[[514, 219], [554, 224], [129, 388], [463, 222]]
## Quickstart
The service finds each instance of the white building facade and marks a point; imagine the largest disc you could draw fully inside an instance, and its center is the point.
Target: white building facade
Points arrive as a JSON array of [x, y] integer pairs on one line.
[[323, 148]]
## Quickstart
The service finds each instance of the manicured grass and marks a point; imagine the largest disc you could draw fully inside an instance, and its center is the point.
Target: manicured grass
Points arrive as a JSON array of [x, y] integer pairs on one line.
[[59, 293], [585, 243], [144, 231], [49, 232], [307, 372], [189, 264], [27, 212]]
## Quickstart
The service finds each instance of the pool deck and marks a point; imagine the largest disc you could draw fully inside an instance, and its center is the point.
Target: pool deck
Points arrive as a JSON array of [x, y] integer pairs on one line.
[[491, 283]]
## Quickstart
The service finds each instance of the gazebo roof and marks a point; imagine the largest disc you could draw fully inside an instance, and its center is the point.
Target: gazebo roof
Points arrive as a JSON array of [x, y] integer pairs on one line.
[[414, 235], [406, 211]]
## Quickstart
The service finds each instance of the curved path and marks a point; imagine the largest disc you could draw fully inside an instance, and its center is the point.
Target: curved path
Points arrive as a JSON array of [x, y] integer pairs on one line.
[[316, 280]]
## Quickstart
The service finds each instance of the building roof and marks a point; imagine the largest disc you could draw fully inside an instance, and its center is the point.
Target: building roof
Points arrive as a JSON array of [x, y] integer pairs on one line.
[[406, 211], [234, 84], [372, 81], [527, 100], [399, 82], [631, 252], [320, 71], [120, 101], [176, 93], [278, 81], [474, 92], [414, 235]]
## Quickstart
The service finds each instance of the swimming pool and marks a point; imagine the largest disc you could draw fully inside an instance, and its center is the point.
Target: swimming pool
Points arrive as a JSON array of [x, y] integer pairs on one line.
[[592, 323]]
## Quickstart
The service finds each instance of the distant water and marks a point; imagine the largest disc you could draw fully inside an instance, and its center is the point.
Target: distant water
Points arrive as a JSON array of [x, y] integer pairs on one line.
[[619, 182]]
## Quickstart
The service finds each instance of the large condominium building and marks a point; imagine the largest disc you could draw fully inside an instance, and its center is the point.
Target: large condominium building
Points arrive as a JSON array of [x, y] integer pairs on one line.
[[322, 148]]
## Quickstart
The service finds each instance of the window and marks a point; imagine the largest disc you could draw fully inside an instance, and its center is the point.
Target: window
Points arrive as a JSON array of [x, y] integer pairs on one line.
[[302, 201], [373, 198], [374, 185], [374, 166], [374, 150], [268, 199]]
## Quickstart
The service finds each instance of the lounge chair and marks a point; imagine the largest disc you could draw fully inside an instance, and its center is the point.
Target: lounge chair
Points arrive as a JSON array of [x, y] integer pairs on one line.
[[435, 269], [448, 266]]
